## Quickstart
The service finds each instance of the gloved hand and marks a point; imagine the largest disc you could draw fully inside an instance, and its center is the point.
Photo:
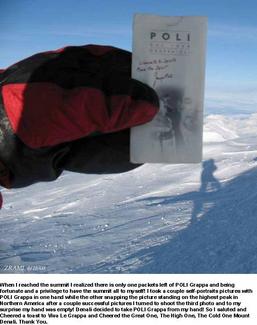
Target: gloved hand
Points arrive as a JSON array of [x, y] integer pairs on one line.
[[60, 96], [70, 109]]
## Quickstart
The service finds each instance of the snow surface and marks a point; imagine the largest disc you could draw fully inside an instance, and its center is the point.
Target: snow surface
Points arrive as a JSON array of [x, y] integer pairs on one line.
[[155, 219]]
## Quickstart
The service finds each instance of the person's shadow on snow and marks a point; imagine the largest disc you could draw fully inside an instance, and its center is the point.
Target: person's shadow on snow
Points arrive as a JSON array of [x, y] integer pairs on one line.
[[205, 196], [223, 240], [209, 184]]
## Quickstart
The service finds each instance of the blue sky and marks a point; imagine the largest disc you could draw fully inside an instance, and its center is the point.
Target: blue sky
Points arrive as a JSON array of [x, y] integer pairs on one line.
[[30, 26]]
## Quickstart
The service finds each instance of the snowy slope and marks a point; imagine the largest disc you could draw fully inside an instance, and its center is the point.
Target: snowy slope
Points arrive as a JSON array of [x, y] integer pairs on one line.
[[155, 219]]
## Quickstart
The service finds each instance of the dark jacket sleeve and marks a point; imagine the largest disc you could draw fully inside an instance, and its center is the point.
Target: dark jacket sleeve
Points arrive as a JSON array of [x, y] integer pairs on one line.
[[70, 109]]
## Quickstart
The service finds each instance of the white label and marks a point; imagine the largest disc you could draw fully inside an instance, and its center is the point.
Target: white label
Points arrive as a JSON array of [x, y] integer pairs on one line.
[[169, 56]]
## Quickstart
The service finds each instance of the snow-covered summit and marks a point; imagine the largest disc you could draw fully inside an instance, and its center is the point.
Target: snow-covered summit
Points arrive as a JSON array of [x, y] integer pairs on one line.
[[197, 218]]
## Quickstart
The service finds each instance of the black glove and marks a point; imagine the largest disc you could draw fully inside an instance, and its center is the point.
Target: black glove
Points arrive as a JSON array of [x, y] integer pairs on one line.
[[70, 109]]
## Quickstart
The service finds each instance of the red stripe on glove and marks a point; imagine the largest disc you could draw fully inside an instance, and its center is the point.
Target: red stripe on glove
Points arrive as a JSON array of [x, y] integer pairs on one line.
[[44, 114]]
